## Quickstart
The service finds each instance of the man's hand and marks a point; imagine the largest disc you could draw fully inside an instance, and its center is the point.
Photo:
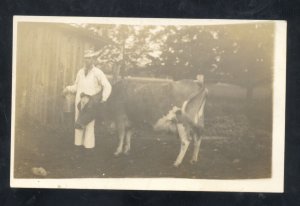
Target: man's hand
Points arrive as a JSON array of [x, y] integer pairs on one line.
[[65, 91]]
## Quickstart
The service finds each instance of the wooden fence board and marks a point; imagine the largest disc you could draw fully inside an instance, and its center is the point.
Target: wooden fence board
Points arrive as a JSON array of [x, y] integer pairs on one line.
[[48, 58]]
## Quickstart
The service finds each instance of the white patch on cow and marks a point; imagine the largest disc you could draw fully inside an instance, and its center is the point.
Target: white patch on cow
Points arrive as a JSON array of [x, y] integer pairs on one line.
[[166, 123]]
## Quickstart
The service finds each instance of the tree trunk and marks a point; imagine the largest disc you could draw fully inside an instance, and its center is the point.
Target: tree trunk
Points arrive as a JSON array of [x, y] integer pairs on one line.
[[116, 73]]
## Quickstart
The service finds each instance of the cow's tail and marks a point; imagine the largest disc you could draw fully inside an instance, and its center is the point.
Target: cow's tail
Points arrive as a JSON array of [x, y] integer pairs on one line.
[[193, 108]]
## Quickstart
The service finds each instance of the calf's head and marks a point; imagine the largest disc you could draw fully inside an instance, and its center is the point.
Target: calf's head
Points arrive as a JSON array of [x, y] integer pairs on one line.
[[85, 112]]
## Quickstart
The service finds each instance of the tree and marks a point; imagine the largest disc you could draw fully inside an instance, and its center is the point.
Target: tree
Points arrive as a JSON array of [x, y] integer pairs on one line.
[[241, 54], [131, 47], [248, 56], [191, 50]]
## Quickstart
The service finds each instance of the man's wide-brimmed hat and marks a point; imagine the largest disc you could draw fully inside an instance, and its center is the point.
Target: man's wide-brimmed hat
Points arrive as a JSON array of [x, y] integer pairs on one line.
[[91, 53]]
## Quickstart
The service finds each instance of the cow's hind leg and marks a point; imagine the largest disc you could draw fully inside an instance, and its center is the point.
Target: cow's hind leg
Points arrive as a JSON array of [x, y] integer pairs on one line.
[[121, 128], [185, 142], [197, 142], [127, 141]]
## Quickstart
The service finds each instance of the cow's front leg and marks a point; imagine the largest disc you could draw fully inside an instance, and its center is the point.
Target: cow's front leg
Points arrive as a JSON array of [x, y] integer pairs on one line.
[[127, 142], [197, 143], [185, 142], [121, 135]]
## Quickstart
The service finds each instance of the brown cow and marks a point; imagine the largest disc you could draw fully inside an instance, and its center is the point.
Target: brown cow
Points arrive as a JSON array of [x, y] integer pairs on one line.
[[173, 106]]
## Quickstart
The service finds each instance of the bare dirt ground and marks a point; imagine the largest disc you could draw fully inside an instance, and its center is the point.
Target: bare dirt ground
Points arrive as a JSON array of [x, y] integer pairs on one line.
[[240, 153], [237, 145]]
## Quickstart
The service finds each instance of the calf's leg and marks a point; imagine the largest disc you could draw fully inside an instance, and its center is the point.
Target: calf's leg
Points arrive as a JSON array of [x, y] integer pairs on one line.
[[185, 142]]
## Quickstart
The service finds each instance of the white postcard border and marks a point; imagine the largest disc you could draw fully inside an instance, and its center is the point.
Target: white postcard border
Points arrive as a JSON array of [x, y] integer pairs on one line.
[[273, 184]]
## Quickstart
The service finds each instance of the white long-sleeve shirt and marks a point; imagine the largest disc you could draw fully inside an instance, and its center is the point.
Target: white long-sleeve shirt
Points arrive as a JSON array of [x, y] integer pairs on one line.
[[91, 84]]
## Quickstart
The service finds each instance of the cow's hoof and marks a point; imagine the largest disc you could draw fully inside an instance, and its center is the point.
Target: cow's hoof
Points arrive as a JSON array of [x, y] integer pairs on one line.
[[117, 154], [176, 164], [126, 153], [192, 162]]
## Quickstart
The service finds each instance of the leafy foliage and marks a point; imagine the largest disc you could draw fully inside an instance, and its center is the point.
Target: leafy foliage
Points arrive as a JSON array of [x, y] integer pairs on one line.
[[241, 54]]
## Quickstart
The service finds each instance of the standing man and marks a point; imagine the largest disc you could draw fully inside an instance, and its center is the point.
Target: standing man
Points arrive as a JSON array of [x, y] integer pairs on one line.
[[90, 81]]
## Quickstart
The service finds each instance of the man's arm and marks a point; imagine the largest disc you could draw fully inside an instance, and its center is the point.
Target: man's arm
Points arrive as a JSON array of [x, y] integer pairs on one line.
[[73, 88]]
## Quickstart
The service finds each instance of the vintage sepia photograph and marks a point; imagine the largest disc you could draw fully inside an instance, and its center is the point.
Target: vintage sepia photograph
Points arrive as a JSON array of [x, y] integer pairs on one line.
[[150, 104]]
